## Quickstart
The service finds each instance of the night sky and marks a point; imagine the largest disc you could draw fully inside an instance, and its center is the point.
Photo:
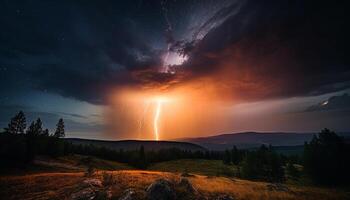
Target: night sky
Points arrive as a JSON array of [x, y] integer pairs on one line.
[[247, 65]]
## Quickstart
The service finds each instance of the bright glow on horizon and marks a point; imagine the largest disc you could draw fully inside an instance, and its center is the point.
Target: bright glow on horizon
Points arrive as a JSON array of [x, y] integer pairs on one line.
[[159, 115]]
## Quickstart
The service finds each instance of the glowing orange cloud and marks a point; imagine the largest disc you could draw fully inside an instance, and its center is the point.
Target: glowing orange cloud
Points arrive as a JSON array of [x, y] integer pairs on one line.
[[149, 114]]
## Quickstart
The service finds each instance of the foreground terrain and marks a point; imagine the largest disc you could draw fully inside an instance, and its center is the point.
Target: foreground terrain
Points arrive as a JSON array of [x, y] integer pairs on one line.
[[68, 185], [66, 178]]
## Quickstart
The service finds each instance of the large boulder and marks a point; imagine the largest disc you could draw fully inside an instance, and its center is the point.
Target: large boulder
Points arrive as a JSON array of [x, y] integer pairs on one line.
[[161, 189]]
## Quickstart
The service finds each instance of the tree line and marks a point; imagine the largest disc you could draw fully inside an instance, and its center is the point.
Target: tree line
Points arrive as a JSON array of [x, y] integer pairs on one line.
[[19, 144], [260, 164], [325, 161], [141, 158], [325, 158]]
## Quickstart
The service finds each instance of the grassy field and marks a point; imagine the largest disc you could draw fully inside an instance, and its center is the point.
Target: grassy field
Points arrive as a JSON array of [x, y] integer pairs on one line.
[[62, 177], [62, 185], [203, 167]]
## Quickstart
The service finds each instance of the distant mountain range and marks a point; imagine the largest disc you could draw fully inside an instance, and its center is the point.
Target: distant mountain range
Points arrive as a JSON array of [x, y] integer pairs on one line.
[[253, 140], [283, 142], [136, 144]]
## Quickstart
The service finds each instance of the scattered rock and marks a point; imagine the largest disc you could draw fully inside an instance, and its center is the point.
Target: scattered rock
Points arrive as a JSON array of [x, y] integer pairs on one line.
[[225, 197], [128, 195], [87, 193], [132, 194], [277, 187], [160, 190], [90, 189], [92, 182]]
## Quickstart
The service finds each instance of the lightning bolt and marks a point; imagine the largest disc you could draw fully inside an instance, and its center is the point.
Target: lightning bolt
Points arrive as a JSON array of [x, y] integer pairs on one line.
[[156, 119]]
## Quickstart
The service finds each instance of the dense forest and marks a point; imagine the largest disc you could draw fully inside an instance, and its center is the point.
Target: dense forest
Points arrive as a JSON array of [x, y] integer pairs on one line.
[[324, 161]]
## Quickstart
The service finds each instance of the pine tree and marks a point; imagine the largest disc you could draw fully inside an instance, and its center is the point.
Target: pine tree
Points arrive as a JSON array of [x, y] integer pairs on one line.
[[142, 158], [17, 124], [35, 128], [38, 127], [31, 129], [59, 133], [227, 157], [235, 156], [326, 159]]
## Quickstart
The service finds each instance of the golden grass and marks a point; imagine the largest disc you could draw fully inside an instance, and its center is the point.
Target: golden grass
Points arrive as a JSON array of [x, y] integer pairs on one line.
[[61, 185], [39, 186]]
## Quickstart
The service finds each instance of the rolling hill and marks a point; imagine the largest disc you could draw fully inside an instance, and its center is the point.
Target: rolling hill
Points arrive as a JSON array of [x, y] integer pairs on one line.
[[136, 144], [253, 140]]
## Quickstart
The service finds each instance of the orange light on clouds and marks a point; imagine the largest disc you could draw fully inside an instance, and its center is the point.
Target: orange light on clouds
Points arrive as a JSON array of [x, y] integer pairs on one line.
[[185, 111]]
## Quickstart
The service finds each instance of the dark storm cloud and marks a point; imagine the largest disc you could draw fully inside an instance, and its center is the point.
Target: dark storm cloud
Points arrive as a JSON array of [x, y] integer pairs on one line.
[[272, 49], [74, 49], [341, 102], [253, 49]]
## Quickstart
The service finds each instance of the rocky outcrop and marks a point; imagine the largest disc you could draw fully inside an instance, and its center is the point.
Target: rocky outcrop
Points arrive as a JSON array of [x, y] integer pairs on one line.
[[91, 188], [161, 190]]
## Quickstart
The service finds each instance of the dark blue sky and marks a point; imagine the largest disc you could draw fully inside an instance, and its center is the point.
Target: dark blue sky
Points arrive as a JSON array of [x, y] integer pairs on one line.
[[287, 58]]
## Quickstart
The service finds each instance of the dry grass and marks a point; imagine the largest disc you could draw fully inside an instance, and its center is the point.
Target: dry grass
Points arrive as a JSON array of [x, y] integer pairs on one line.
[[247, 190], [61, 185], [39, 186]]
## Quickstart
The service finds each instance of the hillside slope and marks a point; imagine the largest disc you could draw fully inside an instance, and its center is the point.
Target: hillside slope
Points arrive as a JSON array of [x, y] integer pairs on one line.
[[253, 139]]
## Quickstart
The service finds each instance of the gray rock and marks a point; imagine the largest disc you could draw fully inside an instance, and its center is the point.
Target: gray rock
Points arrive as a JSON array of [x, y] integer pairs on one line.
[[161, 190], [92, 182], [90, 189], [128, 194], [87, 193], [225, 197]]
